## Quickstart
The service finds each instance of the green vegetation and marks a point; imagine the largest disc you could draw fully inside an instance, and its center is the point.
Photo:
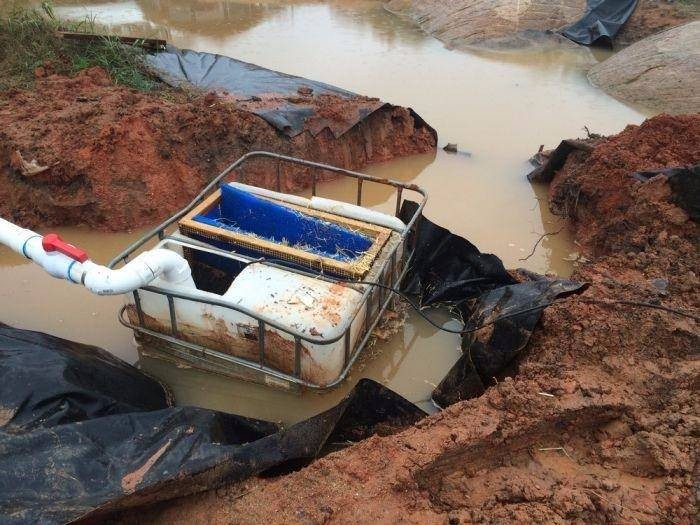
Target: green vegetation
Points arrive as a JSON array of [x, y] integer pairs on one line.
[[28, 40]]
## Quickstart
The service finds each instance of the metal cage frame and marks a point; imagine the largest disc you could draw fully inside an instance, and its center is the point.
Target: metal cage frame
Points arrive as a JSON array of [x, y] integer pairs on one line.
[[391, 274]]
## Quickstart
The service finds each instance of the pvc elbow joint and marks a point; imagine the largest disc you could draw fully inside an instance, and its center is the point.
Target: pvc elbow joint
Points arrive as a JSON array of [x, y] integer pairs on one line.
[[139, 272], [65, 261]]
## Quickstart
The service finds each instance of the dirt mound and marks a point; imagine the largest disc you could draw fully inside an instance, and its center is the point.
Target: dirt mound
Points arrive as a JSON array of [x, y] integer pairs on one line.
[[598, 423], [612, 211], [488, 22], [660, 72], [113, 158]]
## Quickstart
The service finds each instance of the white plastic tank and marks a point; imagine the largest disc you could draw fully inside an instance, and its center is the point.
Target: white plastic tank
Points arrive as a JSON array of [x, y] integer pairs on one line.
[[315, 308]]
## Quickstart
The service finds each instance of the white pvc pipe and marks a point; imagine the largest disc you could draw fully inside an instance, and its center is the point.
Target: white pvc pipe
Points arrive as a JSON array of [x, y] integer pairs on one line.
[[140, 271], [262, 192], [343, 209]]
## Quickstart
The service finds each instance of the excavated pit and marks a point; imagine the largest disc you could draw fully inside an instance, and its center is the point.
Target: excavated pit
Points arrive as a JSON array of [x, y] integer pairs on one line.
[[115, 159], [597, 422], [597, 425]]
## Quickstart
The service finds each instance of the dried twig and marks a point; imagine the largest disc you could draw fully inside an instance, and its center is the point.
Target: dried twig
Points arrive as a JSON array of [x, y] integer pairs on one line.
[[558, 449], [239, 496], [539, 241]]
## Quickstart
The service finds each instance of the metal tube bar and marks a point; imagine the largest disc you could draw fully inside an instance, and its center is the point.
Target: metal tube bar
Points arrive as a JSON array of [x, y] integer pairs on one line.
[[173, 319], [261, 342], [368, 310], [399, 191], [282, 158], [346, 347], [139, 311], [297, 357]]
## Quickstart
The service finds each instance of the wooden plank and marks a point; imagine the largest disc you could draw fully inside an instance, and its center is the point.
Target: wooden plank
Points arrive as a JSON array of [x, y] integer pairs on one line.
[[152, 44]]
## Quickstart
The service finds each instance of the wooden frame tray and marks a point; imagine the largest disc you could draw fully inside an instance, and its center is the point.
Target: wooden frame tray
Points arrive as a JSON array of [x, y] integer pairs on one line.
[[356, 269]]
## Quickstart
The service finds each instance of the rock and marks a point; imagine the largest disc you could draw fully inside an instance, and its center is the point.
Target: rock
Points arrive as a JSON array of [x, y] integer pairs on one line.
[[570, 386], [660, 72], [26, 168], [475, 22], [450, 147], [609, 485]]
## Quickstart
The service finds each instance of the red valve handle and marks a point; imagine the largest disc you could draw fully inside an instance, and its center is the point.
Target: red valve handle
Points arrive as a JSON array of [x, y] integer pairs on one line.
[[53, 243]]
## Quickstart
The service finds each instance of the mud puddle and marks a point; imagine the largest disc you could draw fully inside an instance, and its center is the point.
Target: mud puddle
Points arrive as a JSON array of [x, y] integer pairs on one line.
[[497, 107]]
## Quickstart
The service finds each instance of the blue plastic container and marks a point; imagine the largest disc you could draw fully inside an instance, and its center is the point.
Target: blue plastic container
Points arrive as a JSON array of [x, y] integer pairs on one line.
[[246, 213]]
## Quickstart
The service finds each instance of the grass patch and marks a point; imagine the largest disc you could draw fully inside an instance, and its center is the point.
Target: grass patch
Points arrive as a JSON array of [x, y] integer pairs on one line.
[[28, 40]]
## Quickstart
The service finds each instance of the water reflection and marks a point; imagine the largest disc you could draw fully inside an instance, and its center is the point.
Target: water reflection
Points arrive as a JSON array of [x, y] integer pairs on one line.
[[378, 196], [214, 19], [412, 363]]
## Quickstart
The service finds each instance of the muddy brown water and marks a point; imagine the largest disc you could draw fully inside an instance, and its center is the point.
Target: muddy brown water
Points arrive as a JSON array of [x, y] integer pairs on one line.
[[498, 108]]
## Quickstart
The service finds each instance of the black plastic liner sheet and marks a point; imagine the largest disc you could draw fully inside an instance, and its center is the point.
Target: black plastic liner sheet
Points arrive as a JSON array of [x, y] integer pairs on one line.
[[82, 433], [448, 269], [601, 22], [685, 185], [547, 166], [490, 350], [274, 96]]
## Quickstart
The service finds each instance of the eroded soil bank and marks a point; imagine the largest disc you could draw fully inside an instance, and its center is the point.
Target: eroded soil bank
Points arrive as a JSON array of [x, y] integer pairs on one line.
[[489, 22], [660, 72], [599, 422], [113, 158]]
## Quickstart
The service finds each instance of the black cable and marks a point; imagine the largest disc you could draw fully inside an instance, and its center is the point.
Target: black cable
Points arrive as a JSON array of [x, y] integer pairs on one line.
[[413, 305], [418, 310], [611, 302], [448, 330]]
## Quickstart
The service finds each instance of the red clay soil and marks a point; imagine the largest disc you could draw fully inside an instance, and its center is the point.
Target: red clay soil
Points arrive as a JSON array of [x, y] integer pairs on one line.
[[597, 192], [654, 16], [118, 159], [599, 422]]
